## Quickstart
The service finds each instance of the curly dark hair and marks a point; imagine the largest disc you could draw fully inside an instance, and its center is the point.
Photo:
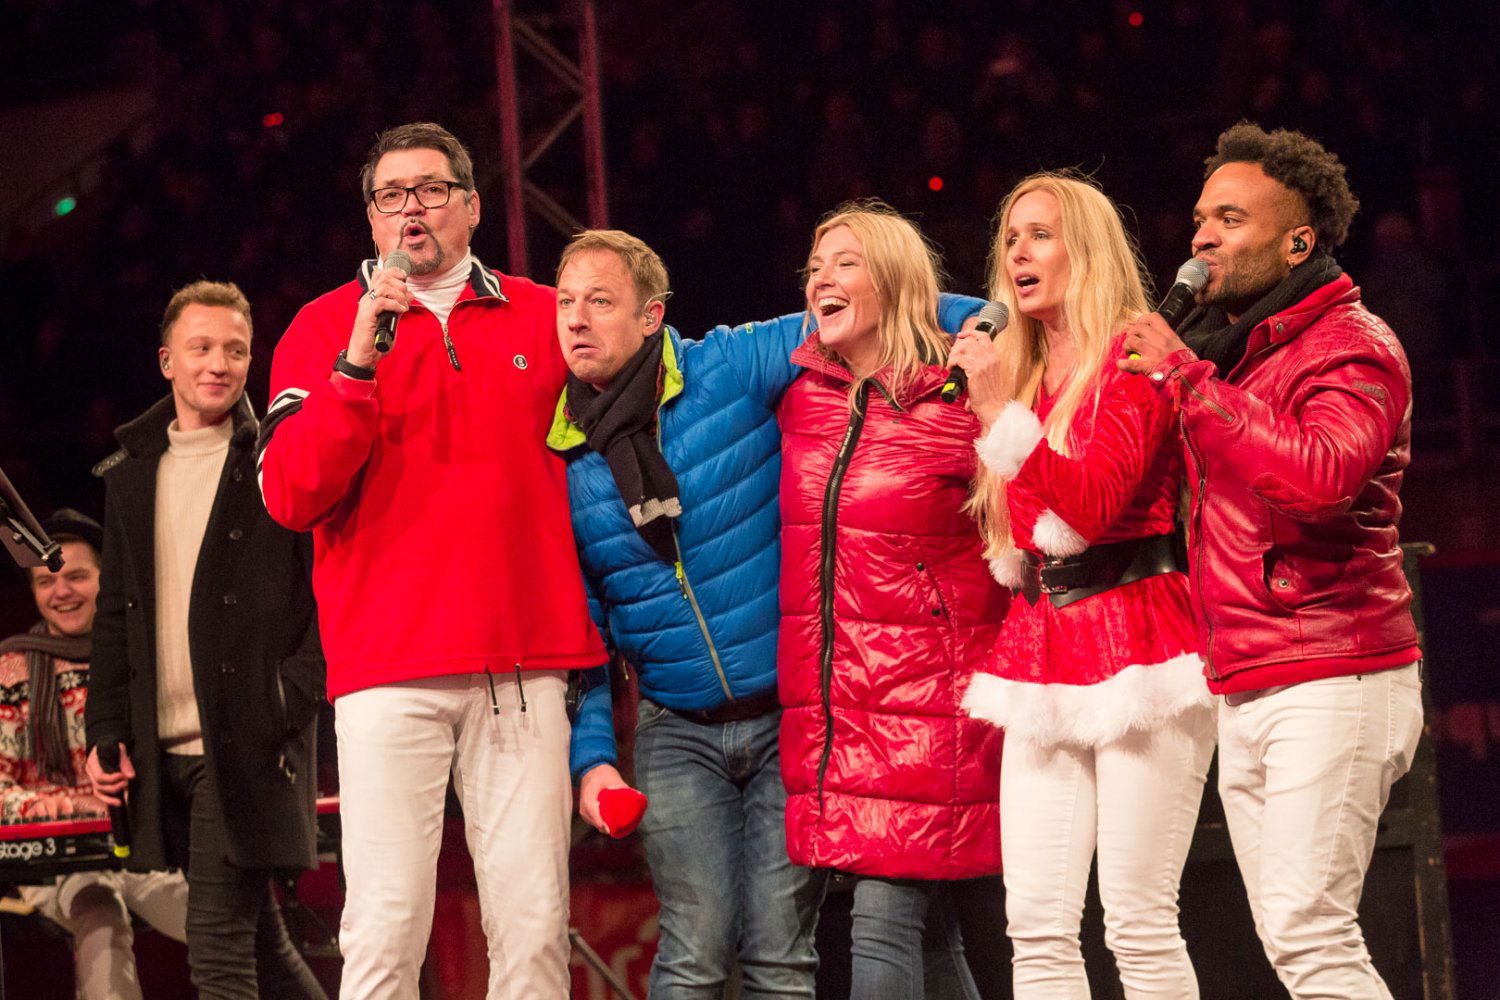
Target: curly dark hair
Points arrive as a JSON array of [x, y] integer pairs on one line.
[[1299, 163]]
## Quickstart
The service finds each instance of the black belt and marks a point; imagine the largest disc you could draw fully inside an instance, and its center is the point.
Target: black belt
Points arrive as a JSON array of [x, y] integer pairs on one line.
[[1099, 568], [734, 711]]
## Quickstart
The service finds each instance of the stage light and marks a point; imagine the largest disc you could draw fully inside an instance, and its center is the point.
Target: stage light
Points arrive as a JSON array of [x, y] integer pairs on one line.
[[64, 205], [935, 183], [273, 119], [1136, 19]]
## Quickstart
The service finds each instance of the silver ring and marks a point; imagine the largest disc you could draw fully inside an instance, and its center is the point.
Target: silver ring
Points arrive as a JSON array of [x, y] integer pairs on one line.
[[371, 296]]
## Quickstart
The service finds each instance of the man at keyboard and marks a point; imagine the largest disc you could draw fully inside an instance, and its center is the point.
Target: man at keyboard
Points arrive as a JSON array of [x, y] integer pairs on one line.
[[43, 683]]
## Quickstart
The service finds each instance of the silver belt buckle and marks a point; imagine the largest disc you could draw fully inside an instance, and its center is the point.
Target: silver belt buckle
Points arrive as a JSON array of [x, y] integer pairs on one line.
[[1041, 577]]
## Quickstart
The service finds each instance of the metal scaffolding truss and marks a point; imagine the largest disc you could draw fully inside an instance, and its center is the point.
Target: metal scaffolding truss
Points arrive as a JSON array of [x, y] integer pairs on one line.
[[535, 30]]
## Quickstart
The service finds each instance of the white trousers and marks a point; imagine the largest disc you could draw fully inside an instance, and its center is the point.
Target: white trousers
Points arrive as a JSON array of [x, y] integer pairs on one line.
[[1304, 772], [1136, 800], [95, 908], [397, 744]]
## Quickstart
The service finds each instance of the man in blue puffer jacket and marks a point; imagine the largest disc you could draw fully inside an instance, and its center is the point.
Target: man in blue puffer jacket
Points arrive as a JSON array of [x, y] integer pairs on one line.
[[674, 464]]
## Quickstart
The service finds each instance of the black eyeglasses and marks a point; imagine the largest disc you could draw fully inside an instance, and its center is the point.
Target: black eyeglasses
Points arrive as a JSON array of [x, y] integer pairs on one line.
[[429, 194]]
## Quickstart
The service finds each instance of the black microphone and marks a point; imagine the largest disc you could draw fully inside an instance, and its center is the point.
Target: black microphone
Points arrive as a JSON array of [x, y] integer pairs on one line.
[[992, 319], [119, 816], [385, 323], [1191, 277]]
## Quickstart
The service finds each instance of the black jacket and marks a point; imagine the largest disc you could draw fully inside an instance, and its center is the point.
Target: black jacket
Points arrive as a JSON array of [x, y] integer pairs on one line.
[[257, 664]]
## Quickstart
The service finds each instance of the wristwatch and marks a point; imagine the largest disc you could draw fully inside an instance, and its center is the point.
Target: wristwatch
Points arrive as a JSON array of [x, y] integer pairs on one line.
[[346, 367]]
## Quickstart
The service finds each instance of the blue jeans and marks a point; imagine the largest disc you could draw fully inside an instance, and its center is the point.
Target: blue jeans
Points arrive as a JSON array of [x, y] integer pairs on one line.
[[902, 929], [715, 838]]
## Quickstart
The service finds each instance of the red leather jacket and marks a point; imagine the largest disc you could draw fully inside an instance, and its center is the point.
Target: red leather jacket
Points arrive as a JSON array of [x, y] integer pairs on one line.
[[887, 608], [1295, 461]]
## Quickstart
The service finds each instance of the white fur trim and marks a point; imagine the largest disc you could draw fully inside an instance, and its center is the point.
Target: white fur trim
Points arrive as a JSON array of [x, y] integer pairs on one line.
[[1012, 438], [1138, 697], [1007, 569], [1053, 536]]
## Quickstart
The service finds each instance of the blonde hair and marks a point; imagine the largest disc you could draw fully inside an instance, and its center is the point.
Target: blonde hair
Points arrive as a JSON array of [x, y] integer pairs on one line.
[[224, 294], [1106, 290], [904, 271], [643, 265]]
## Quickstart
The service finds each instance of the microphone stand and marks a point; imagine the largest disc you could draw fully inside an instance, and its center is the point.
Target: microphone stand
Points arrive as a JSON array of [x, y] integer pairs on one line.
[[22, 535]]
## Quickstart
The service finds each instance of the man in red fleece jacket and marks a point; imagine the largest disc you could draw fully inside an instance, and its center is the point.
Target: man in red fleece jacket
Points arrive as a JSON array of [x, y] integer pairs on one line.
[[439, 657]]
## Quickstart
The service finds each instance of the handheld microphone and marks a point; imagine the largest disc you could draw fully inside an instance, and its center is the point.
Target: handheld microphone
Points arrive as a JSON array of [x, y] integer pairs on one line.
[[385, 323], [119, 816], [992, 319], [1191, 277]]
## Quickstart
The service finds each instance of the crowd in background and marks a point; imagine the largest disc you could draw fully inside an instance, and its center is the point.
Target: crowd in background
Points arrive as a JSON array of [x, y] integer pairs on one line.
[[729, 129]]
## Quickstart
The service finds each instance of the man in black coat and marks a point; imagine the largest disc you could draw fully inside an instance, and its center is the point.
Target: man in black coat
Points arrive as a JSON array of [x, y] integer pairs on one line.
[[207, 670]]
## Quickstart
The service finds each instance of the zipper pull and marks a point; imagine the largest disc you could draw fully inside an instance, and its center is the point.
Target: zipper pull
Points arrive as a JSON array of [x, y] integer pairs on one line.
[[452, 353], [682, 579], [521, 691]]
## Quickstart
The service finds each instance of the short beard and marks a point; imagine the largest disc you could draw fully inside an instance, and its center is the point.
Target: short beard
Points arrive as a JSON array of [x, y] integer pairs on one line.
[[438, 262], [1242, 288]]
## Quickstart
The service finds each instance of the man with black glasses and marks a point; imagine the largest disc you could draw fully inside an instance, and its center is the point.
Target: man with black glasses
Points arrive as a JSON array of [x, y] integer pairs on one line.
[[440, 657]]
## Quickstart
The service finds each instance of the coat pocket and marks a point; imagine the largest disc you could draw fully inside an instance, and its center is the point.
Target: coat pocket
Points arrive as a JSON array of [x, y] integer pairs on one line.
[[301, 692], [1294, 581], [939, 609]]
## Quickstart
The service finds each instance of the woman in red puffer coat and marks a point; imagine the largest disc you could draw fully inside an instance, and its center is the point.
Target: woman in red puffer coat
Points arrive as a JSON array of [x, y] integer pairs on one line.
[[887, 606]]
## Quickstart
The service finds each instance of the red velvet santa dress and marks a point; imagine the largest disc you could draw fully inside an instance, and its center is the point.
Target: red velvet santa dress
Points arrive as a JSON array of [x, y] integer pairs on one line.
[[1122, 660]]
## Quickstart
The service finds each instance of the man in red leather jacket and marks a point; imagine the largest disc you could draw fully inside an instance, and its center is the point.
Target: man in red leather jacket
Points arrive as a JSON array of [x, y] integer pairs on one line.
[[1295, 408]]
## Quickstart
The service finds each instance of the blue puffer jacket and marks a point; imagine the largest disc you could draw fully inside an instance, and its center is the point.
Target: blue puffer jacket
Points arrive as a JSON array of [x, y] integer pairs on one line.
[[702, 632]]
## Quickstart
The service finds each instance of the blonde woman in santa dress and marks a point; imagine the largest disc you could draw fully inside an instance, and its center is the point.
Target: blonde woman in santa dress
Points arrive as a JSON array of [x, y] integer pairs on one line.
[[1095, 678]]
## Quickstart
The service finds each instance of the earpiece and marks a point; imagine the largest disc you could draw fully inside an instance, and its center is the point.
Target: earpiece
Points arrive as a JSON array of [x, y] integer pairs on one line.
[[166, 363], [1299, 245]]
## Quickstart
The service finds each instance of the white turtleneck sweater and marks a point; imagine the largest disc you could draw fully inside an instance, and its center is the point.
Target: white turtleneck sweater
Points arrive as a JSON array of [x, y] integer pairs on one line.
[[187, 480], [438, 292]]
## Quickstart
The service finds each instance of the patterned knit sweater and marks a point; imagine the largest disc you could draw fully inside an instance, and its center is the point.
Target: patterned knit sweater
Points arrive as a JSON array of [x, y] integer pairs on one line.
[[23, 789]]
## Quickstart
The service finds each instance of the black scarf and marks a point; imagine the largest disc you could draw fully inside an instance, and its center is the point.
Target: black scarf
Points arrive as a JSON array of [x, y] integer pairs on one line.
[[1212, 337], [619, 422], [47, 736]]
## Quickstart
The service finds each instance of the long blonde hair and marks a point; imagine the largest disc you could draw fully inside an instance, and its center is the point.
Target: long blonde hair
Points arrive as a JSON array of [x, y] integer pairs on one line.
[[1106, 290], [904, 270]]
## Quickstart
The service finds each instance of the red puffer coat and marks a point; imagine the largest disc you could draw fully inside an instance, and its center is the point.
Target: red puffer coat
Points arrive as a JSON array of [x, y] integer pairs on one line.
[[887, 609]]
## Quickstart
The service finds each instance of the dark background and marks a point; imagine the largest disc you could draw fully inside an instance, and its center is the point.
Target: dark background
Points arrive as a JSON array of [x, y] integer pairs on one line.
[[224, 141]]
